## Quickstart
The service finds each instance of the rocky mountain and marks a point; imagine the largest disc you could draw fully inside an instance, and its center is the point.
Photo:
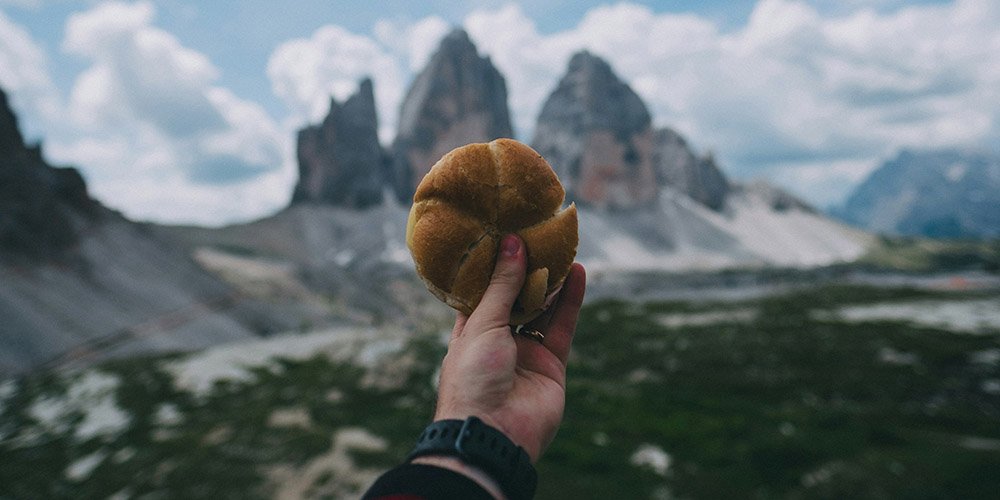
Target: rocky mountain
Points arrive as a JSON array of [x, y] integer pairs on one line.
[[647, 200], [939, 193], [341, 161], [698, 177], [598, 135], [458, 98], [98, 285], [79, 282], [38, 202]]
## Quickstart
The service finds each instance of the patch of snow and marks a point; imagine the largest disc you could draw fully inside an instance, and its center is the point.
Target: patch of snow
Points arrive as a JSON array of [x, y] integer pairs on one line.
[[824, 474], [600, 439], [787, 429], [332, 474], [985, 357], [979, 443], [123, 455], [344, 257], [678, 320], [792, 237], [990, 386], [7, 389], [395, 249], [891, 356], [82, 467], [682, 234], [962, 316], [290, 417], [198, 372], [91, 394], [122, 494], [653, 457], [167, 415]]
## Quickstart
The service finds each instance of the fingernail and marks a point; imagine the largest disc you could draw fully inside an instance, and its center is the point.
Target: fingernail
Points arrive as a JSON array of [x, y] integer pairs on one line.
[[509, 245]]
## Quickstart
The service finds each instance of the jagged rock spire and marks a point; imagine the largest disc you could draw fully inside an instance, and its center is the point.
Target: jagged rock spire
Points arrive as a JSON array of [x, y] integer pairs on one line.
[[340, 160], [597, 134], [458, 98], [37, 201]]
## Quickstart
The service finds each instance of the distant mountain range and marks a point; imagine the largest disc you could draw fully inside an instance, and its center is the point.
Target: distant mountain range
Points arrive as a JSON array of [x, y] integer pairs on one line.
[[79, 281], [647, 200], [940, 193]]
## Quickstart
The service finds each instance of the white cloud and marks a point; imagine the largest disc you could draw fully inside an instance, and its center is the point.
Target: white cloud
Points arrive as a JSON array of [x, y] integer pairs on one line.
[[806, 93], [791, 87], [796, 87], [156, 135], [24, 74], [305, 73], [414, 43]]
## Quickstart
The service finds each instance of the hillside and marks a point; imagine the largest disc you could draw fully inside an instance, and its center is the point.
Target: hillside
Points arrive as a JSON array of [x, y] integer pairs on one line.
[[79, 282]]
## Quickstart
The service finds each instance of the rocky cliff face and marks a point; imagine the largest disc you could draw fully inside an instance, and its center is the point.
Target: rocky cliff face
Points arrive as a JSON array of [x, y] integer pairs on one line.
[[677, 165], [945, 193], [458, 98], [341, 162], [38, 202], [597, 133]]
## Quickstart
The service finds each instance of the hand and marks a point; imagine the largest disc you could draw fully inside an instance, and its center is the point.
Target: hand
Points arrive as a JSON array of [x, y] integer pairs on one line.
[[512, 382]]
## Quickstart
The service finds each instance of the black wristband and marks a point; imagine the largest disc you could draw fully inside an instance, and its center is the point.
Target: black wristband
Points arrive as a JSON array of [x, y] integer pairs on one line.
[[485, 447]]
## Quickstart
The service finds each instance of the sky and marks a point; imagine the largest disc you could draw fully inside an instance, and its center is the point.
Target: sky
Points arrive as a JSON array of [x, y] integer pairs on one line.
[[179, 111]]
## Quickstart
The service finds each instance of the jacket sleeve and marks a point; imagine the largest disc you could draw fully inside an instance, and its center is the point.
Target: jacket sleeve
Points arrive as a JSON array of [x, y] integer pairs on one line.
[[424, 482]]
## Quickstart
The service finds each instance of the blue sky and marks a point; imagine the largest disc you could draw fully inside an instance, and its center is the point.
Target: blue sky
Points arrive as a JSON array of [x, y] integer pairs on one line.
[[184, 111]]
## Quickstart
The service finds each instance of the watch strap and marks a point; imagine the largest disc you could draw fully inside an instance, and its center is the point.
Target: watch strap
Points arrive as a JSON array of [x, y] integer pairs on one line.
[[483, 446]]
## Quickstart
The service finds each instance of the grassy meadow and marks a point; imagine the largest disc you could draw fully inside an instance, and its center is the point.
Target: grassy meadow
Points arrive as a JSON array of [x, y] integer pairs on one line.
[[830, 391]]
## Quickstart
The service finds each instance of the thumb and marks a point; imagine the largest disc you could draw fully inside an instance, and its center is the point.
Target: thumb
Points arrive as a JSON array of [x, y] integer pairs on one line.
[[505, 286]]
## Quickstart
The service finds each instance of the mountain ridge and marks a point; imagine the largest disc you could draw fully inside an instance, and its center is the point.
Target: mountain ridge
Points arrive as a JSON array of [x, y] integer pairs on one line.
[[943, 193], [337, 253]]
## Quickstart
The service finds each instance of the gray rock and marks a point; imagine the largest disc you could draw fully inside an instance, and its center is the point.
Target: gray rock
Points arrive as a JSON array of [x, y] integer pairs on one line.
[[341, 162], [597, 135], [778, 199], [677, 166], [38, 202], [459, 98]]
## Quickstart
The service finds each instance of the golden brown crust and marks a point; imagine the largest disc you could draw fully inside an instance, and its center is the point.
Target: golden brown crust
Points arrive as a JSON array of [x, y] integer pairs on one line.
[[472, 197]]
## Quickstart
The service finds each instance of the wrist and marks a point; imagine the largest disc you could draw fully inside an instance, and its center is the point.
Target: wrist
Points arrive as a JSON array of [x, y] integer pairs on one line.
[[471, 471], [477, 445]]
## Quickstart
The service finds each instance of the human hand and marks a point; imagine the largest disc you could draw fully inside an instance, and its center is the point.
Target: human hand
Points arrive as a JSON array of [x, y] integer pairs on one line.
[[512, 382]]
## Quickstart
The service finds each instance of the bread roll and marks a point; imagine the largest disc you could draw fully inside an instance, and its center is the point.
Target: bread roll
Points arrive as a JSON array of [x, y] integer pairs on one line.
[[469, 200]]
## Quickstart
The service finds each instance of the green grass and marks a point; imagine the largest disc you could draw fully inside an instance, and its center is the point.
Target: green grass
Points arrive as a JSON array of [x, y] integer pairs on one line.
[[754, 410], [928, 255], [788, 405]]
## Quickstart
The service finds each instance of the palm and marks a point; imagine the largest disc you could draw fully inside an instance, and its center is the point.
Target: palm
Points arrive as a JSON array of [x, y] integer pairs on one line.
[[513, 382]]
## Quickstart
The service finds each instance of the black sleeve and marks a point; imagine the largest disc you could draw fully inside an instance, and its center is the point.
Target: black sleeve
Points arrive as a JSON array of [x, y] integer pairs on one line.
[[425, 482]]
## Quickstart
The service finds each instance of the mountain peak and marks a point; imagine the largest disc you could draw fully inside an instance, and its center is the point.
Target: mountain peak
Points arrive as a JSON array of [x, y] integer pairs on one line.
[[457, 40], [37, 201], [938, 193], [341, 160], [458, 98], [596, 133], [11, 140]]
